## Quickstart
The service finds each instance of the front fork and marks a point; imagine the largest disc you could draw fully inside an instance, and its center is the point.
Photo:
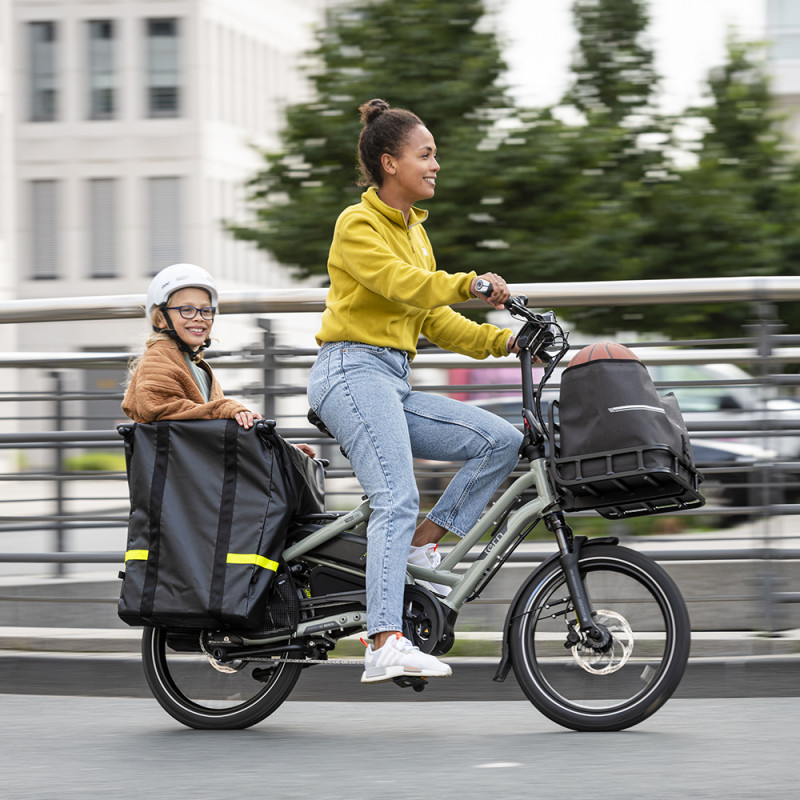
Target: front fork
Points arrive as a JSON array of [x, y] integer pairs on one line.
[[596, 635]]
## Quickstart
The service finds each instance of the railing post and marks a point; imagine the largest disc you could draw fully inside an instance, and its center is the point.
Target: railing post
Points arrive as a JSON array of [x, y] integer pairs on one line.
[[58, 471], [763, 332], [269, 368]]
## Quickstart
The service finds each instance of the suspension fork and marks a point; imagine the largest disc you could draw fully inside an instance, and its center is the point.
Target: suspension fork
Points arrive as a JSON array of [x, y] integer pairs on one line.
[[597, 635]]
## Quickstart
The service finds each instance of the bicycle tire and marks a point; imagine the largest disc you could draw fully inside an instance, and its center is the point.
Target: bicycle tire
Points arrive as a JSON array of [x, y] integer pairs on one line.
[[194, 691], [579, 688]]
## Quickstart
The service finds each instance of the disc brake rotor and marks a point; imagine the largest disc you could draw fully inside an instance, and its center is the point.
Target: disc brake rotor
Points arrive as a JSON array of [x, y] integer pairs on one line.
[[619, 651]]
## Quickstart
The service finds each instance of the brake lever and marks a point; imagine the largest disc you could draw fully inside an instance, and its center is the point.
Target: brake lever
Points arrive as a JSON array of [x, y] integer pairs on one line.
[[517, 303]]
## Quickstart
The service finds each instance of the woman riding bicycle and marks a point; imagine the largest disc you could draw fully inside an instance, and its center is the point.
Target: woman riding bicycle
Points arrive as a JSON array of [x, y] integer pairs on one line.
[[385, 291]]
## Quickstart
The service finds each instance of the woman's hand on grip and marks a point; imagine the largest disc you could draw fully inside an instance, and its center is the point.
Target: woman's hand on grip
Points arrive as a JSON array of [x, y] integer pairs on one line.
[[500, 292]]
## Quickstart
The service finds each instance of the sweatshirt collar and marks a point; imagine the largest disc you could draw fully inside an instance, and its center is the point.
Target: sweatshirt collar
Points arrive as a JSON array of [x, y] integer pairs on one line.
[[415, 215]]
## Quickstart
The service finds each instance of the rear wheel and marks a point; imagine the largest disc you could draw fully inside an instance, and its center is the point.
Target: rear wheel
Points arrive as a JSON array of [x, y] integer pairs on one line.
[[586, 689], [202, 692]]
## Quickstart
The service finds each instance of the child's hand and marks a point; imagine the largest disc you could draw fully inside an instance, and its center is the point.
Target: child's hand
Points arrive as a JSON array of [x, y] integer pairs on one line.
[[246, 418], [309, 451]]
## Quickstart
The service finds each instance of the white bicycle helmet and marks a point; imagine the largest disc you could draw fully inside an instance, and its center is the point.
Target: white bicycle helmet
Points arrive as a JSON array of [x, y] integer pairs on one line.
[[179, 276]]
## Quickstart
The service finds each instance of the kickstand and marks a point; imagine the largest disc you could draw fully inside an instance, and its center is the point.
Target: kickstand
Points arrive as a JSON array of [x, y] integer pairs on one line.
[[416, 683]]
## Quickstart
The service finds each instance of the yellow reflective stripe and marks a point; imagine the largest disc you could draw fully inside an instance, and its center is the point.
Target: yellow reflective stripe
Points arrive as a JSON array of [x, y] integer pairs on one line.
[[252, 558], [233, 558]]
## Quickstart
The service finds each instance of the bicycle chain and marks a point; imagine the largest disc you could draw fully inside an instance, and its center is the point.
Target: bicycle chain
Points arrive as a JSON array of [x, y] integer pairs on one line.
[[334, 662]]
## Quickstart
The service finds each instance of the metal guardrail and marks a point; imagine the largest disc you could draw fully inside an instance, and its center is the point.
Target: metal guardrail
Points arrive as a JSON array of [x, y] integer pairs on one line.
[[758, 289], [63, 514]]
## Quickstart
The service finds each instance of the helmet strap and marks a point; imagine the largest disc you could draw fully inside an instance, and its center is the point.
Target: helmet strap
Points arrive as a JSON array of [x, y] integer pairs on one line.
[[173, 334]]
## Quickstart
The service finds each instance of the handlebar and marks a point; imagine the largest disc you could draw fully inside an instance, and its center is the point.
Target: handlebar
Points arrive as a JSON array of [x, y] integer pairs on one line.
[[541, 337], [540, 333]]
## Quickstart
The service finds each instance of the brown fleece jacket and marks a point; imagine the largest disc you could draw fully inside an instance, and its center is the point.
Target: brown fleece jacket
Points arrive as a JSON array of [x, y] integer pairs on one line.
[[163, 387]]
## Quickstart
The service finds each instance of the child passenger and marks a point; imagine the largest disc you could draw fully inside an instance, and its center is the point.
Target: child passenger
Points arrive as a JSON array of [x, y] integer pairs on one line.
[[171, 380]]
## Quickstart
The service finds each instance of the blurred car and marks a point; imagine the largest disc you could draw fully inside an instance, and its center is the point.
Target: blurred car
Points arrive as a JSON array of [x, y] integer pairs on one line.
[[734, 472], [722, 397], [722, 401]]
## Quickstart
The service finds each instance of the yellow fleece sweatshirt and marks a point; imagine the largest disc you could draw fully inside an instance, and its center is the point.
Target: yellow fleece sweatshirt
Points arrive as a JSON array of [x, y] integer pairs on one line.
[[385, 289]]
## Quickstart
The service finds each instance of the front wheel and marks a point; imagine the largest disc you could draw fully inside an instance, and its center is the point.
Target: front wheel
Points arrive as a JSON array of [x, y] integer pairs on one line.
[[586, 689], [204, 693]]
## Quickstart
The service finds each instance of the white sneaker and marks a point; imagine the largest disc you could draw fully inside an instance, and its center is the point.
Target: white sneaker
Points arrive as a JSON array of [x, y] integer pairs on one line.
[[427, 556], [399, 657]]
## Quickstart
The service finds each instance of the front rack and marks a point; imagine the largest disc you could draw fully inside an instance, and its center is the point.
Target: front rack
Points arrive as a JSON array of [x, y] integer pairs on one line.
[[631, 482]]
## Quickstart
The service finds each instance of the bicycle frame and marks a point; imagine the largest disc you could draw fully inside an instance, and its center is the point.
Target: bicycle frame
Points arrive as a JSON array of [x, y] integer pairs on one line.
[[463, 585], [507, 531]]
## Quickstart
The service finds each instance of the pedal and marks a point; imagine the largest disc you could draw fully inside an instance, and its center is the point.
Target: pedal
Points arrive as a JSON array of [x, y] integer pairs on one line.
[[415, 682]]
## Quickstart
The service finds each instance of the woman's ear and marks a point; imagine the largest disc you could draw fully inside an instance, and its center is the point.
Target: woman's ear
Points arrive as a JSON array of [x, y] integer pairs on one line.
[[158, 319], [387, 162]]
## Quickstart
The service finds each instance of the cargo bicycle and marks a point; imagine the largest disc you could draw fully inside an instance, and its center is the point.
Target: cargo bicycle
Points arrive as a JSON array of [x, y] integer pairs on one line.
[[598, 635]]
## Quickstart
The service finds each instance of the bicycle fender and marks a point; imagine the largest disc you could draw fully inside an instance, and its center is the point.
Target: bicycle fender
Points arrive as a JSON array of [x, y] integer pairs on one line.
[[581, 542]]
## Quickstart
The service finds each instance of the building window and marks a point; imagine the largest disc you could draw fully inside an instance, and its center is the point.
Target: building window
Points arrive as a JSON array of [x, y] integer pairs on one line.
[[44, 230], [783, 12], [102, 100], [163, 72], [164, 213], [783, 29], [43, 91], [103, 228]]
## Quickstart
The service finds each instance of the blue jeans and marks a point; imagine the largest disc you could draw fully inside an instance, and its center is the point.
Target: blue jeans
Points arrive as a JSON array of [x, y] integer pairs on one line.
[[361, 393]]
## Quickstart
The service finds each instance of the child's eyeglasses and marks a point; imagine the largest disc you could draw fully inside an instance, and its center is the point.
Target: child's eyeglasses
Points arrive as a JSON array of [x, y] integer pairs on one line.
[[190, 312]]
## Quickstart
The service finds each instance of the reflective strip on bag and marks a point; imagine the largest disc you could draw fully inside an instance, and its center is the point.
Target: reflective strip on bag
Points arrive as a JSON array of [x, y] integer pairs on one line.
[[657, 409], [233, 558], [253, 558]]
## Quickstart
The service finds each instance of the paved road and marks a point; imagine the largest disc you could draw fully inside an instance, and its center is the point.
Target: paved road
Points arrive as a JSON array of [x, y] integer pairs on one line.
[[60, 748]]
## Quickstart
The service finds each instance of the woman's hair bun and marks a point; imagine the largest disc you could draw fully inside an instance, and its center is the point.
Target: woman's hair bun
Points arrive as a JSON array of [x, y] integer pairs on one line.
[[372, 109]]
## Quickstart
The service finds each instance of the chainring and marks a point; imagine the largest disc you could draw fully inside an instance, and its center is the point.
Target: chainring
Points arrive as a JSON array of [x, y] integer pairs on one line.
[[423, 619]]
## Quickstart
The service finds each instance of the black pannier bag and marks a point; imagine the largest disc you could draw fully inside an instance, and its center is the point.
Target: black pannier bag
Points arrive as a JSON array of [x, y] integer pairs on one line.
[[210, 506], [619, 447]]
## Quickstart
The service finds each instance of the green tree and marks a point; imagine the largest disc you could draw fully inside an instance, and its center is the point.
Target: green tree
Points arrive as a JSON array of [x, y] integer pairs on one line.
[[562, 189], [734, 214], [614, 72], [526, 194], [428, 56], [616, 208]]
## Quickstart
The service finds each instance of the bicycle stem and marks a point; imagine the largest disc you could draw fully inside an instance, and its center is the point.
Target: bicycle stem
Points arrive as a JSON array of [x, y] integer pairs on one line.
[[533, 445], [526, 362]]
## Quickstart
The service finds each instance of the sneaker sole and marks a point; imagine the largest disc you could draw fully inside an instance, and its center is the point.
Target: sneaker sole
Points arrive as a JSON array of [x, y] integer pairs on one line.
[[380, 674]]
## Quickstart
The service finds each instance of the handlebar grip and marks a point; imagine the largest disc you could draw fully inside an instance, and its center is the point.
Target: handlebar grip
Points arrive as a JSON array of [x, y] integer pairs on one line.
[[484, 287]]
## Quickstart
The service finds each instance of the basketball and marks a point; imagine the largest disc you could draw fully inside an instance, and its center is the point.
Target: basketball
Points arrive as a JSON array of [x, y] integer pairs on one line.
[[602, 351]]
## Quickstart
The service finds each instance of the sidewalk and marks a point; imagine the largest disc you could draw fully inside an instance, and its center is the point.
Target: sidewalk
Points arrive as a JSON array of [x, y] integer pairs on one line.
[[705, 644], [121, 675]]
